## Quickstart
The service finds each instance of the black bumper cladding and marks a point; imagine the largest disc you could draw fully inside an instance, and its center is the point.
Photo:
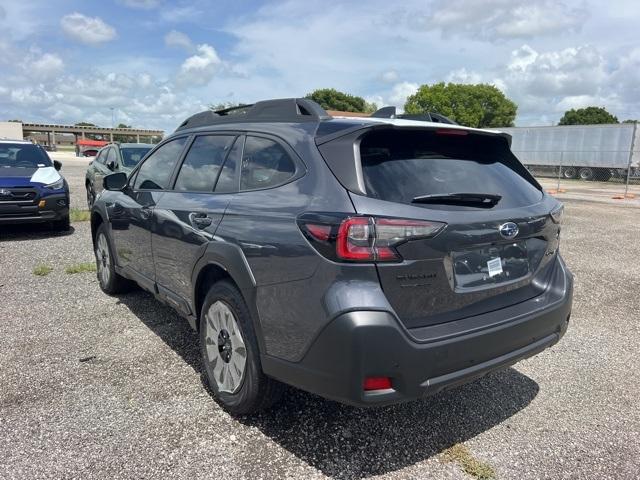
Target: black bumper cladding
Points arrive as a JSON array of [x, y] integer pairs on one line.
[[422, 362], [29, 210]]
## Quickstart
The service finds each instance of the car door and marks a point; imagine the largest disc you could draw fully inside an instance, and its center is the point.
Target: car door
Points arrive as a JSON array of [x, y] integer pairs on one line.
[[186, 217], [131, 214]]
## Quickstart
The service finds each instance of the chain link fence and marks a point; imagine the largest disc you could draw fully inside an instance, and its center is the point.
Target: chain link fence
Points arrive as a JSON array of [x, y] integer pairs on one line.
[[578, 162]]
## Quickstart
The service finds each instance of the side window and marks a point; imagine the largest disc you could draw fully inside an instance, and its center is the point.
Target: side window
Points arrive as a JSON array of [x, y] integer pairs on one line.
[[111, 157], [228, 179], [265, 164], [201, 166], [155, 172], [102, 156]]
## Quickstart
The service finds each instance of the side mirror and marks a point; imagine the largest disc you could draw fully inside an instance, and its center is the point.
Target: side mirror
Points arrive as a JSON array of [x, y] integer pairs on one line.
[[115, 181], [111, 165], [57, 165]]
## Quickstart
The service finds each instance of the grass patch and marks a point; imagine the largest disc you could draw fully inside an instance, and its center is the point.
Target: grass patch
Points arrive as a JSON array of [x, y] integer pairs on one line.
[[42, 270], [77, 215], [461, 455], [81, 268]]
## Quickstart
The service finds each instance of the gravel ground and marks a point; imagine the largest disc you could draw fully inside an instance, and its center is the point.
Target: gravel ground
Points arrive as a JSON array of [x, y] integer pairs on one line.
[[111, 387]]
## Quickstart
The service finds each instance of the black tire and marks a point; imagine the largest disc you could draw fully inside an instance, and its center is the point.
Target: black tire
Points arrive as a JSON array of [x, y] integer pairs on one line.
[[255, 391], [110, 281], [570, 172], [90, 196], [62, 225], [586, 174], [602, 174]]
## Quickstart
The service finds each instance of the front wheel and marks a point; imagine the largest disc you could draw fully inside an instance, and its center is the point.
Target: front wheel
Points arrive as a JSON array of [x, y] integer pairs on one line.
[[110, 281], [90, 196], [230, 353], [62, 225]]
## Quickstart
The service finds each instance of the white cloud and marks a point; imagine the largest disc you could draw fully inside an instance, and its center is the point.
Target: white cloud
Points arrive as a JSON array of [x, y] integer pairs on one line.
[[89, 30], [200, 68], [499, 19], [141, 4], [46, 66], [462, 75], [178, 39], [401, 91], [390, 76]]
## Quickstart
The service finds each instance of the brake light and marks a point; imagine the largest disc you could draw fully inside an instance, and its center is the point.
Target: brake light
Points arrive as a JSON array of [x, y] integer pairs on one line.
[[451, 131], [363, 239]]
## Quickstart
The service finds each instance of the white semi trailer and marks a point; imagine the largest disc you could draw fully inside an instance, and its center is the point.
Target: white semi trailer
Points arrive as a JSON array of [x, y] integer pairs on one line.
[[588, 152]]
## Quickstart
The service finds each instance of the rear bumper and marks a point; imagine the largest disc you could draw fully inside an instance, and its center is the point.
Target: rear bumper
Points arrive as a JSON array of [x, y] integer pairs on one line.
[[422, 362], [55, 208]]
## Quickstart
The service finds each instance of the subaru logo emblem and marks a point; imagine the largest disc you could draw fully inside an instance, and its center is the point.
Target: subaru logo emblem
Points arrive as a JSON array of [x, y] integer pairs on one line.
[[508, 230]]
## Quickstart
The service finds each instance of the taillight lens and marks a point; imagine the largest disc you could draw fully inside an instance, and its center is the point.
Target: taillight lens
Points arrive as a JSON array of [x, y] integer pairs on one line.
[[363, 239]]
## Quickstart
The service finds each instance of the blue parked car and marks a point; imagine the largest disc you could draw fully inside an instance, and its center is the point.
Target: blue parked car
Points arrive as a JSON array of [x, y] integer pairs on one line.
[[31, 187]]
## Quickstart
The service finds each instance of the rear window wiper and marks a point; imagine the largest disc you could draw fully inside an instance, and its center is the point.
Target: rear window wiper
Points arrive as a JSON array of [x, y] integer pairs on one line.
[[473, 199]]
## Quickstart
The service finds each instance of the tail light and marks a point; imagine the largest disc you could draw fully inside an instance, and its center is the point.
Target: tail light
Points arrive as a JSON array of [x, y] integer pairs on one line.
[[363, 239]]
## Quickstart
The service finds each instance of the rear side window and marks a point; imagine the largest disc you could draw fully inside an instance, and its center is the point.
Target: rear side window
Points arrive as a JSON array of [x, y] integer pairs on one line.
[[265, 164], [400, 165], [202, 164], [155, 172]]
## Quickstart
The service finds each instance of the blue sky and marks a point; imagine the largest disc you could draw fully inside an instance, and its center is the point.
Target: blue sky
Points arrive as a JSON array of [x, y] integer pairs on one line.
[[157, 61]]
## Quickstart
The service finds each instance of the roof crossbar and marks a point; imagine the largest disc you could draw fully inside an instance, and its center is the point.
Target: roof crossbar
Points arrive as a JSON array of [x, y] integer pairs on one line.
[[286, 110], [390, 112]]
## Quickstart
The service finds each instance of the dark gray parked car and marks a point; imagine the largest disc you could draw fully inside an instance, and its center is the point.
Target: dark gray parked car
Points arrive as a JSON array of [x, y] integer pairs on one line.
[[368, 260], [115, 157]]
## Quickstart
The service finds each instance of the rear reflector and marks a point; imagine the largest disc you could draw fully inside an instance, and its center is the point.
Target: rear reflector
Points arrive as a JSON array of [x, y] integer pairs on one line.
[[377, 383]]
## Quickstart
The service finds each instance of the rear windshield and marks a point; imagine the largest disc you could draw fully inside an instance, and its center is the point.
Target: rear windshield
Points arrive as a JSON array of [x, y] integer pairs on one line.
[[401, 165], [132, 156], [22, 155]]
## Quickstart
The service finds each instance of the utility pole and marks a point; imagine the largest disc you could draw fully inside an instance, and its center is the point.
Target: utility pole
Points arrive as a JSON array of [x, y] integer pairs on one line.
[[113, 118]]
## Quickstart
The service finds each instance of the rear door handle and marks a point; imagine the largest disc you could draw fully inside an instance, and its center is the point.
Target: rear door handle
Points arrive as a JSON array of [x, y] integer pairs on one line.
[[200, 220]]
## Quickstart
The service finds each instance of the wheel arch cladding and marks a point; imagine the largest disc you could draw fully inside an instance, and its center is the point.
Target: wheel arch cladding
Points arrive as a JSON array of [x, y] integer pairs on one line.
[[208, 275], [96, 221]]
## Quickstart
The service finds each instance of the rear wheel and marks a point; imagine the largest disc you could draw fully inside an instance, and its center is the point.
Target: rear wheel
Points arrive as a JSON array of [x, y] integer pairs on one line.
[[230, 353], [570, 172], [110, 281], [586, 174]]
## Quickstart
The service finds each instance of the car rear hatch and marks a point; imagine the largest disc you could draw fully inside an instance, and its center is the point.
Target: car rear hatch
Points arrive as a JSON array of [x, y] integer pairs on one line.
[[496, 240]]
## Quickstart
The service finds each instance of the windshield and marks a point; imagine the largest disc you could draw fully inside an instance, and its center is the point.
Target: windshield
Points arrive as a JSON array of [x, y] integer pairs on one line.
[[22, 155], [132, 156]]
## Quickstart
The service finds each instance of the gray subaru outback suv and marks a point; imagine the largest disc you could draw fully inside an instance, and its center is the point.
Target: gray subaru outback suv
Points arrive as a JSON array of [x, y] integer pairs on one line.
[[367, 260]]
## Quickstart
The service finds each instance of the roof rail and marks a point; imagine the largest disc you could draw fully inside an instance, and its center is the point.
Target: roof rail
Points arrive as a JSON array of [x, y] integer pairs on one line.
[[287, 110], [390, 112]]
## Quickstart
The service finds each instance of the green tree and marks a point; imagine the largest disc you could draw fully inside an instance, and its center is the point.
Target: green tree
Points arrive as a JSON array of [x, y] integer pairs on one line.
[[332, 99], [479, 106], [122, 125], [587, 116], [630, 121]]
